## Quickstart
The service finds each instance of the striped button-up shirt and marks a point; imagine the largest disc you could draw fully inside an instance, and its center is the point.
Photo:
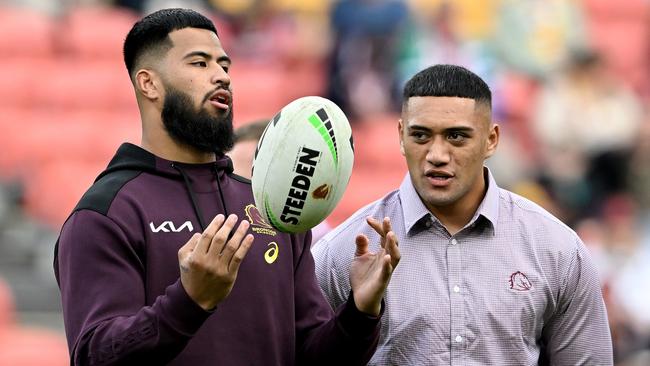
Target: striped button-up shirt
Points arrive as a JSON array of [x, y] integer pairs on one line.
[[515, 286]]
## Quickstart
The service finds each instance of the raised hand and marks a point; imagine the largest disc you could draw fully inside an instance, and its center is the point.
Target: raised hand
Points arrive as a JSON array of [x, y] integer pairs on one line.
[[370, 272], [209, 262]]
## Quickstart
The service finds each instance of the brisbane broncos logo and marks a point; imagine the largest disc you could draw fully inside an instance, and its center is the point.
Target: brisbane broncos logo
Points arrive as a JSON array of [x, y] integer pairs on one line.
[[258, 225], [519, 282]]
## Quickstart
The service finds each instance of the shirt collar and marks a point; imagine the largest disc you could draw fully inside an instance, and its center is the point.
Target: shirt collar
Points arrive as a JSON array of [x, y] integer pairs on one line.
[[489, 207], [413, 209]]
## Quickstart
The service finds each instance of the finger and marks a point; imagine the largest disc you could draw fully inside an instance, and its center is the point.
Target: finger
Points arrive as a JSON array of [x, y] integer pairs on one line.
[[376, 225], [234, 242], [387, 268], [206, 237], [220, 239], [240, 253], [392, 248], [362, 245], [387, 225]]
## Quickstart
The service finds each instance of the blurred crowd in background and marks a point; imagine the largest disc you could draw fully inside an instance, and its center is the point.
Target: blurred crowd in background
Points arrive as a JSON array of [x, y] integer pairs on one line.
[[570, 81]]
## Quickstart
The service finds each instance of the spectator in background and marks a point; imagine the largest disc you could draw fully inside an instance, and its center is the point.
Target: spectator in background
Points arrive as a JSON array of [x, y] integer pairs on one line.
[[362, 75], [534, 37], [433, 37], [585, 124], [487, 277], [621, 246], [638, 180], [243, 152]]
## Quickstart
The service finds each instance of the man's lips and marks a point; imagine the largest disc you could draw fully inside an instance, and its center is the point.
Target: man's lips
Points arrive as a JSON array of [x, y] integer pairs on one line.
[[220, 99], [439, 178]]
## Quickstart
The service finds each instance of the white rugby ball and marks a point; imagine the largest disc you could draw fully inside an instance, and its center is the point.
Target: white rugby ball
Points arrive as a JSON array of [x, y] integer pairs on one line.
[[303, 164]]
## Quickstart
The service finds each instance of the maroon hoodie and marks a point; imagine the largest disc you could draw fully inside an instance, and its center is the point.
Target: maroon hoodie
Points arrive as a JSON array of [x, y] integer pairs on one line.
[[116, 263]]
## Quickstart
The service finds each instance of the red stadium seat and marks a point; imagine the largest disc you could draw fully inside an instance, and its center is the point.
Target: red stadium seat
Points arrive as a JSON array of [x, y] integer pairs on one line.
[[96, 32], [27, 346], [65, 84], [26, 33], [53, 190], [367, 184], [620, 31], [32, 138], [376, 141]]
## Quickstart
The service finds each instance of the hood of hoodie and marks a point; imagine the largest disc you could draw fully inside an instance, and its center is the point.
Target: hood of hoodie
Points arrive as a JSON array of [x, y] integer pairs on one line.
[[135, 158], [132, 158]]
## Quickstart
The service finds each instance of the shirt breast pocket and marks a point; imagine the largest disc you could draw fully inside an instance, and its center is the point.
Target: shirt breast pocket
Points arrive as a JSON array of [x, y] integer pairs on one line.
[[512, 315]]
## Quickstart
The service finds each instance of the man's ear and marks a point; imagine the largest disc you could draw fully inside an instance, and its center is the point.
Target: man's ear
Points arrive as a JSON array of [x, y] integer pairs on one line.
[[493, 140], [400, 130], [148, 85]]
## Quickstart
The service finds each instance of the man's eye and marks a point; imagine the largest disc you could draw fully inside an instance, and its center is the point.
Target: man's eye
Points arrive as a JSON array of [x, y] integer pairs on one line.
[[418, 136], [225, 68], [456, 136], [200, 63]]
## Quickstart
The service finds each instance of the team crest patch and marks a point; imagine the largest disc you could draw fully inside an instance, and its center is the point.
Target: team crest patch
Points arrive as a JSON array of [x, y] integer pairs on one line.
[[258, 225], [519, 282]]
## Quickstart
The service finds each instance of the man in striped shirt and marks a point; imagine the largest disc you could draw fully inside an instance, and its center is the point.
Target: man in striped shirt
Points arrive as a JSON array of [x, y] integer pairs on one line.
[[486, 276]]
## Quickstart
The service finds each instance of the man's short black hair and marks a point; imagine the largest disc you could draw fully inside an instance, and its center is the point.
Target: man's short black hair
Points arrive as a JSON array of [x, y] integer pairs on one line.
[[151, 32], [448, 81], [251, 131]]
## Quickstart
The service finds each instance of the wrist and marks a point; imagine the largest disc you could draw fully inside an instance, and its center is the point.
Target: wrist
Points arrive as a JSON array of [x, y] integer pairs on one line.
[[372, 308]]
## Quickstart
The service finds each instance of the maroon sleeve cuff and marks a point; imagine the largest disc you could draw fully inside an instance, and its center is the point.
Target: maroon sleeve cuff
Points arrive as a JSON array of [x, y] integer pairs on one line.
[[355, 322], [181, 312]]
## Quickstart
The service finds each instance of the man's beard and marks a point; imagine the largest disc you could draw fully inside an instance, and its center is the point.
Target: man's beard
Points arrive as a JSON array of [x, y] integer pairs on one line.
[[198, 129]]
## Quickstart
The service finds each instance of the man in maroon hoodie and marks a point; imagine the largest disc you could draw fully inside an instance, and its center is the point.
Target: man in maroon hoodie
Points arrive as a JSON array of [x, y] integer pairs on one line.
[[166, 260]]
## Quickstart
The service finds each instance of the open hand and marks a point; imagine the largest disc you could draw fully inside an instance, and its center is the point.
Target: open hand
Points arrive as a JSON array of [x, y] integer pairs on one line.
[[209, 262], [370, 272]]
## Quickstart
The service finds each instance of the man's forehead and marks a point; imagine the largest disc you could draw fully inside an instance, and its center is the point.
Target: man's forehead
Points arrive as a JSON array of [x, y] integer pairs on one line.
[[193, 39], [425, 109]]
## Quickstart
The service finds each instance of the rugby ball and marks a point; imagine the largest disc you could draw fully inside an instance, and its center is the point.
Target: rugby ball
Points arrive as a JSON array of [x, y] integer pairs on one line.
[[302, 164]]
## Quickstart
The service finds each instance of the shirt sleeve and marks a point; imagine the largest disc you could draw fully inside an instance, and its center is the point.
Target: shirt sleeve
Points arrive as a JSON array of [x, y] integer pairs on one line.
[[106, 319], [325, 337], [333, 281], [578, 332]]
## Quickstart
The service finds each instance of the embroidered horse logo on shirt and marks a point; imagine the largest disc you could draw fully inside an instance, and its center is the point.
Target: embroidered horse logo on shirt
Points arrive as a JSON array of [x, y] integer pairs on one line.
[[519, 282]]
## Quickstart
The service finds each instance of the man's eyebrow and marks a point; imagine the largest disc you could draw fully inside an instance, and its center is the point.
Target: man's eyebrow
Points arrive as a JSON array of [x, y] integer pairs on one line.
[[418, 128], [208, 56], [460, 129], [465, 129]]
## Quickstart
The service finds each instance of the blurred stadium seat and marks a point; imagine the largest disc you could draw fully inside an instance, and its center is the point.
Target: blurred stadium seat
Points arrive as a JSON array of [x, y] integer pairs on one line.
[[26, 33], [65, 83], [69, 136], [26, 346], [96, 32], [55, 188], [376, 143], [367, 184], [620, 31]]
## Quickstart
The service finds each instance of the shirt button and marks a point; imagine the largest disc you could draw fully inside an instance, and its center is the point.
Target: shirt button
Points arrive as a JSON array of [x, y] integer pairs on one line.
[[427, 223], [454, 241], [456, 289], [459, 339]]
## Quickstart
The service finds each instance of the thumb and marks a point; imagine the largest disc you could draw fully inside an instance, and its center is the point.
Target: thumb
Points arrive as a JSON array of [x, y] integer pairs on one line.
[[188, 247], [362, 245]]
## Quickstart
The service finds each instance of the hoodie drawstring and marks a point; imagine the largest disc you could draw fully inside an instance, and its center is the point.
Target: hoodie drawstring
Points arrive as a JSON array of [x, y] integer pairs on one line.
[[223, 201], [195, 203]]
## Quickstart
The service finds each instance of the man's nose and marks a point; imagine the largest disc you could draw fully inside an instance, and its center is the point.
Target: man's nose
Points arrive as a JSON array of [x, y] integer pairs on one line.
[[220, 76], [438, 153]]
